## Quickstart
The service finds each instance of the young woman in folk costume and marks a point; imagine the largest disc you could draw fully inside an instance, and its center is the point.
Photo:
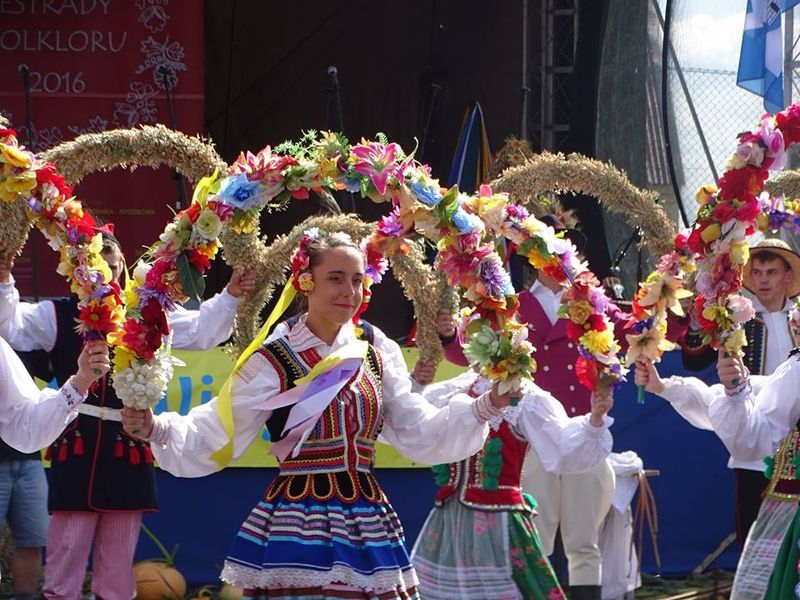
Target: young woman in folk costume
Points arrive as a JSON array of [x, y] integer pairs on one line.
[[324, 528], [480, 540]]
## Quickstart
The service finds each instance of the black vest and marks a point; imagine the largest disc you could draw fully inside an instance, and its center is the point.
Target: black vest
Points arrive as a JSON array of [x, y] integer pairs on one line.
[[95, 465]]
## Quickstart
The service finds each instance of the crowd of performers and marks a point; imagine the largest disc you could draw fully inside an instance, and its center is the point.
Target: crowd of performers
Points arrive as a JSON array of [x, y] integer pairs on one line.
[[324, 528]]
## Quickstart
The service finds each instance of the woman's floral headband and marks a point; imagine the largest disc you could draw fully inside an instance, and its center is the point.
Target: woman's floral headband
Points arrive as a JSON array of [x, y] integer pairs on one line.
[[301, 271]]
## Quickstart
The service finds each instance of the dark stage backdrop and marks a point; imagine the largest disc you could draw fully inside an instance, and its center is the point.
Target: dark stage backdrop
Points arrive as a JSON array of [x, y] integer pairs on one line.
[[266, 77]]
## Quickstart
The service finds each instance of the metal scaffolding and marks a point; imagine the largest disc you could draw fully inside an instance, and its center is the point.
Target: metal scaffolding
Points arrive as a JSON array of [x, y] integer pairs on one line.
[[558, 25]]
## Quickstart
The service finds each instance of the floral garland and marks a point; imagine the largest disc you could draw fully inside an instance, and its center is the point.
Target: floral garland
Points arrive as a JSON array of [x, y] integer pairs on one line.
[[70, 230], [169, 274], [718, 242], [382, 172]]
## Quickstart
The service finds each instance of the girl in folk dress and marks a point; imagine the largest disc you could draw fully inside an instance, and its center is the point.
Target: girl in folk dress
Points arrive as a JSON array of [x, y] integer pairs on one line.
[[480, 541], [324, 528]]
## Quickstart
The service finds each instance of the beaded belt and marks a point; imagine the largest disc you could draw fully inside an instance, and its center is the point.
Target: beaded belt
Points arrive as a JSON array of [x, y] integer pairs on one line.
[[101, 412]]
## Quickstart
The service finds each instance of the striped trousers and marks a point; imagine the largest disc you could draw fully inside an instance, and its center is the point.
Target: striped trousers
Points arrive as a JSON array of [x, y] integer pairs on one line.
[[70, 538]]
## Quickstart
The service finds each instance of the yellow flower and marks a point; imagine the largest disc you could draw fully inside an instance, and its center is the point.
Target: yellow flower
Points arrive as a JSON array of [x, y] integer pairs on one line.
[[204, 187], [735, 341], [122, 356], [763, 221], [208, 224], [210, 249], [705, 193], [598, 342], [14, 185], [306, 281], [711, 233], [740, 252], [15, 157], [580, 311], [650, 344], [73, 208]]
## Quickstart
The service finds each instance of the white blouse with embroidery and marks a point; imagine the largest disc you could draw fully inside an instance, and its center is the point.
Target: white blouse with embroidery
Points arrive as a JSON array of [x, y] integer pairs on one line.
[[183, 445], [752, 422], [31, 419], [563, 444], [32, 326]]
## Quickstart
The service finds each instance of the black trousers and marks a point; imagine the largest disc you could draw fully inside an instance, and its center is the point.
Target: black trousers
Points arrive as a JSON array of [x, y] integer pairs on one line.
[[750, 487]]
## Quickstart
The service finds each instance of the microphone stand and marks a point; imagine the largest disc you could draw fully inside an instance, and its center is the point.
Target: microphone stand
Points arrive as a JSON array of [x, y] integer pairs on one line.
[[180, 184], [333, 93], [26, 86], [434, 88]]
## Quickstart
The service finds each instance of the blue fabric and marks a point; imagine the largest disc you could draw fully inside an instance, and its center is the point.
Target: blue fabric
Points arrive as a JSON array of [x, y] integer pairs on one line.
[[762, 39], [23, 501]]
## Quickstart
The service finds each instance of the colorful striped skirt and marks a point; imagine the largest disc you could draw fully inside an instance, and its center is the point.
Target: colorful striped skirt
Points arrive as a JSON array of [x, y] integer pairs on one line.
[[464, 553], [322, 536]]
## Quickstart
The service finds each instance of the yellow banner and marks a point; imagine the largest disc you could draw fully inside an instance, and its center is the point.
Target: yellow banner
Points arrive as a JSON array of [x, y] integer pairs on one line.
[[205, 372]]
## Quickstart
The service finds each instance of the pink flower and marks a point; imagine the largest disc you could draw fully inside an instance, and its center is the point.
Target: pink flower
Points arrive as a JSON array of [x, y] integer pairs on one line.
[[376, 161]]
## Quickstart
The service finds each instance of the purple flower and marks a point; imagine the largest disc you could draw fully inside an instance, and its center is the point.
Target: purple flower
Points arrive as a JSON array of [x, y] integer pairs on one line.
[[162, 298], [495, 277], [517, 211], [390, 225]]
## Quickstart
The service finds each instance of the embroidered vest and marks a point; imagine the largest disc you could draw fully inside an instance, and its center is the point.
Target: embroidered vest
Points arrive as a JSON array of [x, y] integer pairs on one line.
[[784, 482], [489, 479], [344, 437]]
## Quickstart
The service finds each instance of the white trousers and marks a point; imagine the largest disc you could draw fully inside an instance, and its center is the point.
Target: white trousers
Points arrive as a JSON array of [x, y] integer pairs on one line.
[[578, 504]]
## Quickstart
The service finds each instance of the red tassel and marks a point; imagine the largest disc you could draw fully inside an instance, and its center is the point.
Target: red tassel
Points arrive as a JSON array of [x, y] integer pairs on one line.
[[133, 455], [49, 454], [148, 455], [62, 452], [119, 449], [77, 446]]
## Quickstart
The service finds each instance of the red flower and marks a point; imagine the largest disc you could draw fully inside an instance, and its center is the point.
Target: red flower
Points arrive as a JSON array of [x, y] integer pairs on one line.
[[695, 242], [749, 211], [96, 317], [199, 261], [555, 271], [724, 211], [141, 340], [586, 370], [742, 183], [85, 226], [153, 315], [155, 276], [47, 173], [681, 242], [788, 122], [192, 212], [144, 337]]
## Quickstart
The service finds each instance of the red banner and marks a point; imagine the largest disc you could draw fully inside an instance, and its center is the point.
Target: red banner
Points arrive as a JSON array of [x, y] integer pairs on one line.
[[94, 65]]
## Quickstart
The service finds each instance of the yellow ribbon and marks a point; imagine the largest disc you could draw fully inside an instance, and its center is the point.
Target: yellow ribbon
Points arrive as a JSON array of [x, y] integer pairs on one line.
[[224, 403]]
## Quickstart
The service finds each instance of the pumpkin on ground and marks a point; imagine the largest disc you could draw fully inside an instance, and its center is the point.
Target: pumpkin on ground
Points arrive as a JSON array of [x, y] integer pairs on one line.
[[156, 581]]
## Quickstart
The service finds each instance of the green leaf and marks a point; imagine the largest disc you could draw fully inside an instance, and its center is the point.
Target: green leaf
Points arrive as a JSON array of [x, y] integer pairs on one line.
[[191, 280]]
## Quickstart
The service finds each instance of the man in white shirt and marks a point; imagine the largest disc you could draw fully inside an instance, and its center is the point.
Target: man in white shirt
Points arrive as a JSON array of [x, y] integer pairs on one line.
[[770, 276]]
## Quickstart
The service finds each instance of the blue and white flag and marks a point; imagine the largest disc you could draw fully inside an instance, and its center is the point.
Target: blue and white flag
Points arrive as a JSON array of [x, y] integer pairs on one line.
[[761, 57]]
